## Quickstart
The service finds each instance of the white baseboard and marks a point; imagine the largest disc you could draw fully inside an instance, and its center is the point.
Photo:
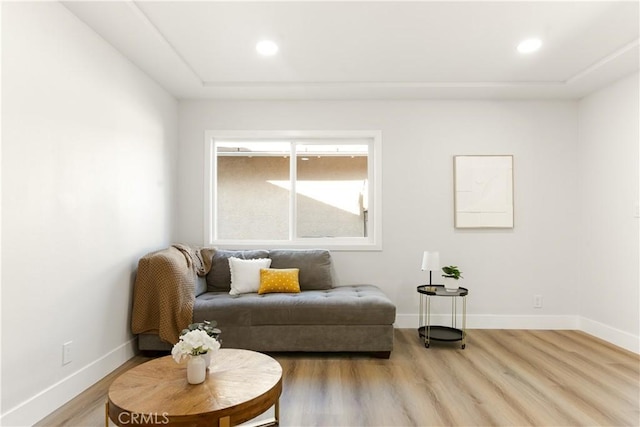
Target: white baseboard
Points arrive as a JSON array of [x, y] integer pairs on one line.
[[42, 404], [494, 321], [614, 336]]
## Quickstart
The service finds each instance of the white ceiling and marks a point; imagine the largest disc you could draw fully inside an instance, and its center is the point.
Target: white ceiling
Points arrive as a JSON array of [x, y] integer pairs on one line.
[[372, 49]]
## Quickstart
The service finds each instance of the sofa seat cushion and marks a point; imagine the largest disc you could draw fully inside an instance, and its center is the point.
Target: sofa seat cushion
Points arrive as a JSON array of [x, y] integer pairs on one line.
[[344, 305]]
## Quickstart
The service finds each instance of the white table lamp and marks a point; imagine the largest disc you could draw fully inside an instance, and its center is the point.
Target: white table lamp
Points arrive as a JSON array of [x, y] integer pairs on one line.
[[431, 262]]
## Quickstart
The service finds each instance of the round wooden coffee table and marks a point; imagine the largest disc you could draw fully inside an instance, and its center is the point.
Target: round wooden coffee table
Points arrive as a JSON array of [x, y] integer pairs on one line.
[[240, 385]]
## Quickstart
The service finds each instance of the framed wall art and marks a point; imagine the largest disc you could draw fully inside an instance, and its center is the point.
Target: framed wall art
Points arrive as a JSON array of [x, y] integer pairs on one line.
[[483, 191]]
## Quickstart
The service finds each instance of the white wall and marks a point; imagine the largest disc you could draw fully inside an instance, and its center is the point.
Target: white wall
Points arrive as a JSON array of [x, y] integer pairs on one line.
[[609, 277], [88, 147], [504, 269]]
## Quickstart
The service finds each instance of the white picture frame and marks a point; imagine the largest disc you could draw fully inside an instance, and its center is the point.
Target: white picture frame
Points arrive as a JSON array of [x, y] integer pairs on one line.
[[483, 191]]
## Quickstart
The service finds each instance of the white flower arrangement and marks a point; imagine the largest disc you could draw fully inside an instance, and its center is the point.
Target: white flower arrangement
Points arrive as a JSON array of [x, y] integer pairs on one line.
[[193, 343]]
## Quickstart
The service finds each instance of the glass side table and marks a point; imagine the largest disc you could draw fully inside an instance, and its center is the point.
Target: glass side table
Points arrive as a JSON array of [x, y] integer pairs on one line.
[[452, 333]]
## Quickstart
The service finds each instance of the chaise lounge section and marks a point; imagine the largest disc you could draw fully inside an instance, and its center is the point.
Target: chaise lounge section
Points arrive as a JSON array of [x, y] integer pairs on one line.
[[322, 317]]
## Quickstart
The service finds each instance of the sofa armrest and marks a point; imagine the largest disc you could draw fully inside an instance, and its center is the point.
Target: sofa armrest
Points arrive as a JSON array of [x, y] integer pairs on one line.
[[164, 294]]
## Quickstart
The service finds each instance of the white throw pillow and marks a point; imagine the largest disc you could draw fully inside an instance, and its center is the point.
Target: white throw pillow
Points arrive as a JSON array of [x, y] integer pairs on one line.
[[245, 274]]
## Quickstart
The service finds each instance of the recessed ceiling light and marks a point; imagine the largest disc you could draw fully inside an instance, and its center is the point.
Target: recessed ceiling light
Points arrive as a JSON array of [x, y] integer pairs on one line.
[[529, 45], [267, 47]]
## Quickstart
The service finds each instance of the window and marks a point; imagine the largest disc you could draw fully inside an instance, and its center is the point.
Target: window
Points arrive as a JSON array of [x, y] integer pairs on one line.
[[300, 189]]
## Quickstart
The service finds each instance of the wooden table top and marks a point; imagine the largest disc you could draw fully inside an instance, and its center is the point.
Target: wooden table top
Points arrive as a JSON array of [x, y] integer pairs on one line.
[[240, 384]]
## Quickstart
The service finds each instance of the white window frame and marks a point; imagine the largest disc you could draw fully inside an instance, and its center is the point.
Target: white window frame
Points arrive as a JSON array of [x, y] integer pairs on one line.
[[373, 242]]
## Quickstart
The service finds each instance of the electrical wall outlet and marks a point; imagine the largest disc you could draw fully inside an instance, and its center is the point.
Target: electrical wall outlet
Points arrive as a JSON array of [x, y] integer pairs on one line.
[[537, 301], [66, 352]]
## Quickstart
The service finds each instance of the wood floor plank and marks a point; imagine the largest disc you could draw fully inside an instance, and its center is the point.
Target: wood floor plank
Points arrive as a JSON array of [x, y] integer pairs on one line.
[[502, 378], [519, 391]]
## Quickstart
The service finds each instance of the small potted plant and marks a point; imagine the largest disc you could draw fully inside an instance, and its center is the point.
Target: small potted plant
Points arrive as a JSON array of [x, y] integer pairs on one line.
[[195, 345], [209, 326], [451, 276]]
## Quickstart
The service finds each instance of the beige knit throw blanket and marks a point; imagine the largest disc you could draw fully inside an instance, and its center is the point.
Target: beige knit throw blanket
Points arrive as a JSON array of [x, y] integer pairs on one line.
[[164, 290]]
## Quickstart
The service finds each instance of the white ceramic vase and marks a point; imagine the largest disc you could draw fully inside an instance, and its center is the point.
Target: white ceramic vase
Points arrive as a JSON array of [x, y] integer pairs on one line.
[[196, 369], [451, 284], [207, 358]]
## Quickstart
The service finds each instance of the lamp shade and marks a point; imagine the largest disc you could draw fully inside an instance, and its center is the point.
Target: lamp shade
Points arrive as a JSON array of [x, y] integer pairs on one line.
[[430, 261]]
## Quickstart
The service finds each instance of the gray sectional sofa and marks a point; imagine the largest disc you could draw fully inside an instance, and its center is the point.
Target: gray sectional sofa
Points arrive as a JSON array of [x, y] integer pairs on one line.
[[323, 317]]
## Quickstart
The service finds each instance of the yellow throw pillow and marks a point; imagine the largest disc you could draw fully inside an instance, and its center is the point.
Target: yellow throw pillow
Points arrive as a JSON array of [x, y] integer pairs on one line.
[[279, 280]]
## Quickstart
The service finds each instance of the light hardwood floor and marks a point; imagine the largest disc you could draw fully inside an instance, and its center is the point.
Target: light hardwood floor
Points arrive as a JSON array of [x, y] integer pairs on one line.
[[502, 378]]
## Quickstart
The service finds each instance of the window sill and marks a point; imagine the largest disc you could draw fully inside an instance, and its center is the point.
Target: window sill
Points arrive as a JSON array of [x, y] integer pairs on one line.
[[329, 244]]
